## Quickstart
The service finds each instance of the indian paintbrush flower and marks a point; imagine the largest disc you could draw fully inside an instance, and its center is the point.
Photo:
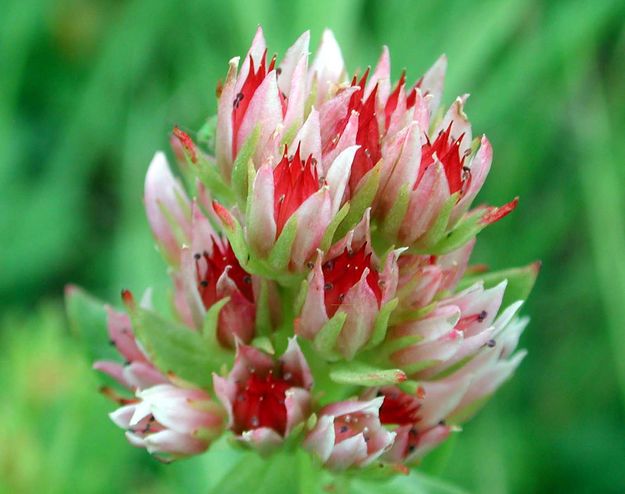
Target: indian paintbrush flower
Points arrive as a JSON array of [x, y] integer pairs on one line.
[[322, 295]]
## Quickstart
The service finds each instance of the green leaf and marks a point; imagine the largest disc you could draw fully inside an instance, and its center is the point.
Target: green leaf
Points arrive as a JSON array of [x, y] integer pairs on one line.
[[263, 311], [396, 215], [206, 134], [325, 341], [209, 175], [361, 374], [437, 231], [236, 237], [281, 251], [520, 282], [88, 319], [176, 349], [361, 200], [241, 164], [211, 319], [330, 232], [414, 483], [381, 323]]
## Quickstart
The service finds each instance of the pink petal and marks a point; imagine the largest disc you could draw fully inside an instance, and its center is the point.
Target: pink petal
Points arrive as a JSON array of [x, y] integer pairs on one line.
[[257, 51], [264, 112], [164, 193], [297, 403], [425, 203], [381, 76], [308, 138], [263, 439], [294, 362], [348, 452], [328, 68], [313, 315], [223, 132], [292, 58], [320, 440], [434, 81], [338, 176], [361, 306], [313, 217]]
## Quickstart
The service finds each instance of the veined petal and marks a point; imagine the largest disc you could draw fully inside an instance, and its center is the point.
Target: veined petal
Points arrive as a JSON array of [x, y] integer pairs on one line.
[[361, 306], [308, 139], [292, 58], [434, 81], [264, 112], [313, 217], [328, 67], [425, 203], [313, 315], [224, 131], [167, 207], [256, 52], [338, 176]]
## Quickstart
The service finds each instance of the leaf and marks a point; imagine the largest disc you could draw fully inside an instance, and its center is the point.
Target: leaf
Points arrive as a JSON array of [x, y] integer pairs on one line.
[[211, 319], [520, 282], [396, 215], [240, 168], [436, 232], [361, 200], [280, 254], [381, 323], [413, 483], [330, 232], [88, 319], [209, 175], [176, 349], [277, 473], [206, 134], [325, 341], [360, 374]]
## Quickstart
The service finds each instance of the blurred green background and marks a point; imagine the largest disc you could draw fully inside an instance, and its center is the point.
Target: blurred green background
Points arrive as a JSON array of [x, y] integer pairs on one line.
[[90, 89]]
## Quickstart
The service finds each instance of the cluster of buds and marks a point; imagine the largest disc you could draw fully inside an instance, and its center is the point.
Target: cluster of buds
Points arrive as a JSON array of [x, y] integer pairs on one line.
[[322, 296]]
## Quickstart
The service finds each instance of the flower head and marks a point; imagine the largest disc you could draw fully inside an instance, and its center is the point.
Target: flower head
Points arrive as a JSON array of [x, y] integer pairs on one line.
[[335, 213]]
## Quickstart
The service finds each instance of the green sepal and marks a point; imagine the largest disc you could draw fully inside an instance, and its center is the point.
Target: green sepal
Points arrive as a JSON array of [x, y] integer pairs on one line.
[[263, 314], [88, 319], [406, 315], [241, 165], [361, 200], [325, 340], [520, 282], [206, 134], [175, 349], [396, 344], [436, 233], [264, 343], [393, 220], [280, 253], [331, 231], [411, 483], [381, 323], [361, 374], [211, 319], [236, 237], [209, 175], [298, 303], [467, 228]]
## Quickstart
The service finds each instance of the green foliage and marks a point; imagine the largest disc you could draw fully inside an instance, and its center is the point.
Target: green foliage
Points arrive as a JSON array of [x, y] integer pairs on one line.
[[90, 89]]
